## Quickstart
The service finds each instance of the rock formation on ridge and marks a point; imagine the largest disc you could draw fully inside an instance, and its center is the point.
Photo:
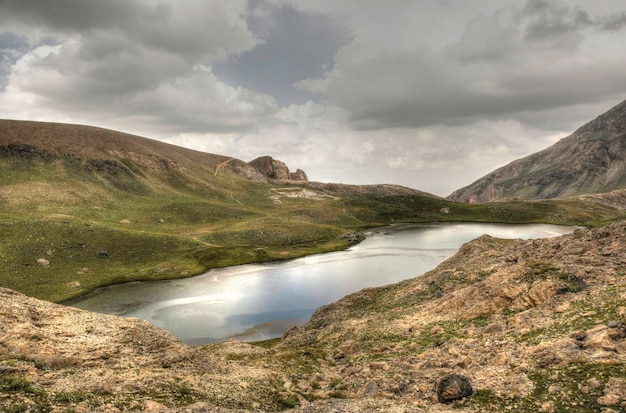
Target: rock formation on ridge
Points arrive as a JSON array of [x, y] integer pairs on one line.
[[275, 169]]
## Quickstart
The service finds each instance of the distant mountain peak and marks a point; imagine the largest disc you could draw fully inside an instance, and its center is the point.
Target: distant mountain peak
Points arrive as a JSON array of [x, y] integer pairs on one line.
[[591, 160]]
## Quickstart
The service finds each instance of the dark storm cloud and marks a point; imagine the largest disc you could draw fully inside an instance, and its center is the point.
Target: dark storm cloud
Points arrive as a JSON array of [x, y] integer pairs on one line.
[[295, 46]]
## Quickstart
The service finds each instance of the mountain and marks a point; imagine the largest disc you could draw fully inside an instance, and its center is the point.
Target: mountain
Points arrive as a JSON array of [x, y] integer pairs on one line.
[[591, 160], [520, 325]]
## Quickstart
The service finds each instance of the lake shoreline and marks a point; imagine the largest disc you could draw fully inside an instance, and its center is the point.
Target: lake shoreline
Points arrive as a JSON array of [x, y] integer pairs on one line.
[[231, 301], [365, 231]]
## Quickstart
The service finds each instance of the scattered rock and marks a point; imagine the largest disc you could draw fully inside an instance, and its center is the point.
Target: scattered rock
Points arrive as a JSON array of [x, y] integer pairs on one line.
[[453, 387], [103, 255], [547, 407], [353, 238], [152, 406], [83, 271], [42, 261], [615, 389], [598, 339], [124, 222], [346, 349], [609, 400]]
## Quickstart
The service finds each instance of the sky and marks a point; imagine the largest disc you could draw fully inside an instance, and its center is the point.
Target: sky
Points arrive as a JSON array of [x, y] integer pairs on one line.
[[429, 94]]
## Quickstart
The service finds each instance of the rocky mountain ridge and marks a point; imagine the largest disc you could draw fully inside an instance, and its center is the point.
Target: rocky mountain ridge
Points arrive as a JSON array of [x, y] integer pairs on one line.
[[534, 326], [591, 160]]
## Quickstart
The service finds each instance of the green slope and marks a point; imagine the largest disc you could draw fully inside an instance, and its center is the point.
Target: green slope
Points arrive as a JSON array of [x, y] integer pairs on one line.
[[103, 207]]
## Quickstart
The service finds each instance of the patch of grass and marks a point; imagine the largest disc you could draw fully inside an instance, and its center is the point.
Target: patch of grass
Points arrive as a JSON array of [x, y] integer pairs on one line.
[[565, 388], [436, 334], [72, 397], [271, 343], [540, 268], [288, 401], [338, 394], [15, 383]]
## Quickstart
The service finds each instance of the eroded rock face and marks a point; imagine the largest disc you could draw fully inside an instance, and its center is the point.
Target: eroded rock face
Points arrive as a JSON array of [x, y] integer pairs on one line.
[[275, 169], [299, 175]]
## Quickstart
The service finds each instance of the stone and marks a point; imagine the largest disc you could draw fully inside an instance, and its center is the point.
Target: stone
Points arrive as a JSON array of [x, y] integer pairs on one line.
[[103, 254], [42, 261], [598, 339], [152, 406], [346, 349], [547, 407], [616, 386], [453, 387], [609, 400]]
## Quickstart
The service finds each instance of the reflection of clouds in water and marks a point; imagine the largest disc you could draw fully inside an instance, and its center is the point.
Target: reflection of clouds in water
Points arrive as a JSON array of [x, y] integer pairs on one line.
[[208, 299]]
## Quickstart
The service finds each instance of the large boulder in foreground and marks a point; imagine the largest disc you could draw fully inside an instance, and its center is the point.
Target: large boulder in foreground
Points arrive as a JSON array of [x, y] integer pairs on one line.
[[453, 387]]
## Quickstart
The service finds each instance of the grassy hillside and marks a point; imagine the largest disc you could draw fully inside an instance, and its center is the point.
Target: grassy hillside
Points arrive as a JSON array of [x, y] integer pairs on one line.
[[84, 207]]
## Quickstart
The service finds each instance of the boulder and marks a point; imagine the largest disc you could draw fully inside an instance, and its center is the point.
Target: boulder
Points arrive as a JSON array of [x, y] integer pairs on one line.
[[42, 261], [299, 175], [453, 387]]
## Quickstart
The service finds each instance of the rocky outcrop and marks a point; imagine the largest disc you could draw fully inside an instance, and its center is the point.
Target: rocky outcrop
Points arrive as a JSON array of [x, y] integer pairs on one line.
[[589, 161], [524, 321], [276, 170], [299, 175], [251, 173]]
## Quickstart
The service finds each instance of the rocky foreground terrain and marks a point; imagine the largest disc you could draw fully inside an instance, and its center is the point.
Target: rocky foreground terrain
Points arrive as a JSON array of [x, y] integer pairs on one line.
[[533, 326]]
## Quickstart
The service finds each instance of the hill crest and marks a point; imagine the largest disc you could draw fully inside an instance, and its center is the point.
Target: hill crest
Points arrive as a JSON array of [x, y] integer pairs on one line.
[[48, 140]]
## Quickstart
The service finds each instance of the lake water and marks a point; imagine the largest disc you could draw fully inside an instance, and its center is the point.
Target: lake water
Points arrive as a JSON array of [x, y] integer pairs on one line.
[[261, 301]]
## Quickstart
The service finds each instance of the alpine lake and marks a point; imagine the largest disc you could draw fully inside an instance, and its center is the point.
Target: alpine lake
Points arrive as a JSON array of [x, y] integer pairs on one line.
[[261, 301]]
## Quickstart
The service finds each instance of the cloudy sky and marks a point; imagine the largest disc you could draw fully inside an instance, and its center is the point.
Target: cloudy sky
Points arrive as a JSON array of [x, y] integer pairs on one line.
[[430, 94]]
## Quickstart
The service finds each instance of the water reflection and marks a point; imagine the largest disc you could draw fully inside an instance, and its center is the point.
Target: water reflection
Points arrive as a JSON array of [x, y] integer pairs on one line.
[[255, 302]]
